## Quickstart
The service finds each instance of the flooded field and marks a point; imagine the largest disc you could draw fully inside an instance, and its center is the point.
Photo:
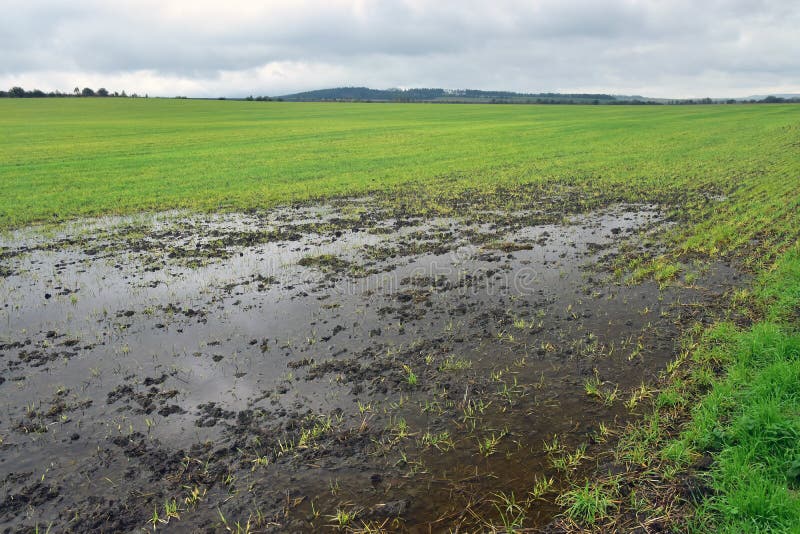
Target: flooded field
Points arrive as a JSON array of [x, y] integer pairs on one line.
[[322, 367]]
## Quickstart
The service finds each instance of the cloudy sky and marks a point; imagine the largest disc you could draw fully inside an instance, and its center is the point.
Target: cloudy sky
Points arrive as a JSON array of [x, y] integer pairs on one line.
[[667, 48]]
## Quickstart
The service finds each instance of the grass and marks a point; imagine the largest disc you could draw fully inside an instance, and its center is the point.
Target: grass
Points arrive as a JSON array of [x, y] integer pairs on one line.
[[510, 511], [587, 504], [440, 440], [750, 420], [487, 445], [595, 387], [343, 518], [411, 377]]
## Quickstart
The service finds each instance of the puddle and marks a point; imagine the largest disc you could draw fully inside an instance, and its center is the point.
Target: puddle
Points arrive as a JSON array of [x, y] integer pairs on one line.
[[307, 365]]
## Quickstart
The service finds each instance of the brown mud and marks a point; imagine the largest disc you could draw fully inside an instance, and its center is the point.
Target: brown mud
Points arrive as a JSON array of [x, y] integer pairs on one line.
[[327, 366]]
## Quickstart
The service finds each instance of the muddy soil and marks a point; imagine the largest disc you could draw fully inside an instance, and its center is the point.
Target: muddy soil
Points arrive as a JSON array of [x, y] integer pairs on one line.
[[326, 366]]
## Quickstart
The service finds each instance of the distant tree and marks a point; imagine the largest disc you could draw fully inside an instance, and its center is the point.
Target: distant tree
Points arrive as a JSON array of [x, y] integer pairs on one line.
[[16, 92], [77, 91], [122, 94], [87, 92], [37, 93], [102, 92]]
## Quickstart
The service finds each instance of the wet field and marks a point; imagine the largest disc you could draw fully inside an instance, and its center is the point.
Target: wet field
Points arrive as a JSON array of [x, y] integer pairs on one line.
[[325, 366]]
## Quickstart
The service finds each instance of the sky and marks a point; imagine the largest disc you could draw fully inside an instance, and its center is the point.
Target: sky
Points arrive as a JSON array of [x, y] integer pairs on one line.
[[200, 48]]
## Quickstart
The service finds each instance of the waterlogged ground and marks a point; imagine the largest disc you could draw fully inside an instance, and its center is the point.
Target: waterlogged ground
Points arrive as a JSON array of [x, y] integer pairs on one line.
[[326, 366]]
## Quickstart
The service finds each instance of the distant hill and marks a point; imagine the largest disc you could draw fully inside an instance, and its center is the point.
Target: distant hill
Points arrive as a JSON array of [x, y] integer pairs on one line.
[[468, 96], [787, 96], [365, 94]]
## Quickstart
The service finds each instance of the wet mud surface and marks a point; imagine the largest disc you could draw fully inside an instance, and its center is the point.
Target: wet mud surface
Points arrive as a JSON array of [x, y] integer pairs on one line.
[[323, 367]]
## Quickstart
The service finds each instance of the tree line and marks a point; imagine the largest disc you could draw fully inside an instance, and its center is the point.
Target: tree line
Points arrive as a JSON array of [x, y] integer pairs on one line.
[[19, 92]]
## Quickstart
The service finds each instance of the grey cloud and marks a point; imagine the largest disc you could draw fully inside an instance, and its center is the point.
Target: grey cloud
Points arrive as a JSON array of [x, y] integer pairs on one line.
[[672, 48]]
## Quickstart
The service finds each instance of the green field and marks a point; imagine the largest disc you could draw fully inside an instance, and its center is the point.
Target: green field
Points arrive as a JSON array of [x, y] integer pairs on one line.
[[731, 174], [72, 157]]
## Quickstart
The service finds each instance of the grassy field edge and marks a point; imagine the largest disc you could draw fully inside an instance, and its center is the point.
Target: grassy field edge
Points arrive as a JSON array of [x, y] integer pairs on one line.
[[720, 449]]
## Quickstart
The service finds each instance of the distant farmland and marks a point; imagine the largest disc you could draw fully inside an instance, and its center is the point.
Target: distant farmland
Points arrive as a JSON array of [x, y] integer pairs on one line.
[[65, 158]]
